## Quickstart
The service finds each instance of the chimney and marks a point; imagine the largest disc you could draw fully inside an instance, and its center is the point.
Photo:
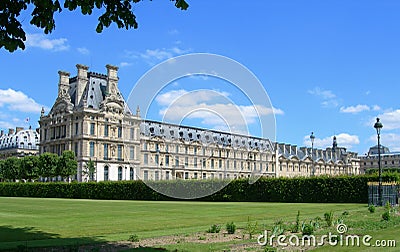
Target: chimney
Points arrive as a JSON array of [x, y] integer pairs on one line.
[[81, 82], [10, 132], [18, 129], [63, 84], [112, 80]]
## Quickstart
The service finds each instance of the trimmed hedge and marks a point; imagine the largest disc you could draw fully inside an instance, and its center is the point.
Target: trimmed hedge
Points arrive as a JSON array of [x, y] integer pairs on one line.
[[343, 189]]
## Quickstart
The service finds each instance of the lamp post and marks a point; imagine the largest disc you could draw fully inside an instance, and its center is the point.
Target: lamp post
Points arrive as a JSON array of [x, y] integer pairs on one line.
[[312, 138], [378, 126]]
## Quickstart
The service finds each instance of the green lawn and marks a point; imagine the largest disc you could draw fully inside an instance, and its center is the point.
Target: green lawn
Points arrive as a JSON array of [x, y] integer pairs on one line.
[[51, 222]]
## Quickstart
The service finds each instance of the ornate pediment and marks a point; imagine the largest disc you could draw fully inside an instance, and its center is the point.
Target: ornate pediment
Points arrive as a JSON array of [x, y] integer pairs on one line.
[[61, 106]]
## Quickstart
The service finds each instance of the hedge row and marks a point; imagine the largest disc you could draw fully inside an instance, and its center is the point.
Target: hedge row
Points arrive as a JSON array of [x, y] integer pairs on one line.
[[344, 189]]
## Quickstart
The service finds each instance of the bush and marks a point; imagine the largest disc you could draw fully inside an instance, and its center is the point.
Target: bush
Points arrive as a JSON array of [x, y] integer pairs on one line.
[[214, 229], [371, 209], [307, 229], [133, 238], [386, 216], [329, 218], [231, 227]]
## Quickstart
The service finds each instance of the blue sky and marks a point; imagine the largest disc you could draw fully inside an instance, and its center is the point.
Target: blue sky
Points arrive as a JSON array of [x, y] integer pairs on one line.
[[330, 67]]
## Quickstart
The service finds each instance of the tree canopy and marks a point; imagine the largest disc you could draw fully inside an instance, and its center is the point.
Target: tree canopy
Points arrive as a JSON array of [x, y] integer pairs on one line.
[[12, 35]]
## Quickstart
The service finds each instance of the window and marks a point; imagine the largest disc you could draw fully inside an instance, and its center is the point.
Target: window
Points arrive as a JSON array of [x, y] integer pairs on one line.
[[145, 146], [156, 175], [157, 158], [227, 164], [195, 175], [106, 130], [91, 149], [186, 150], [76, 128], [186, 161], [167, 175], [119, 153], [105, 173], [105, 151], [177, 148], [145, 175], [195, 162], [234, 165], [120, 173], [212, 163], [119, 132], [195, 150], [92, 129], [204, 175], [176, 161], [146, 159], [131, 174], [220, 176], [220, 163], [76, 149], [132, 152], [167, 160], [186, 175], [132, 133]]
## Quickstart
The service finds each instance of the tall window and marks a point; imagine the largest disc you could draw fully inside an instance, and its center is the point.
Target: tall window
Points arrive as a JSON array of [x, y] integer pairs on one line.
[[195, 151], [176, 161], [186, 161], [132, 132], [145, 175], [76, 128], [120, 173], [105, 151], [167, 160], [220, 163], [91, 149], [119, 152], [76, 149], [119, 132], [156, 175], [92, 129], [132, 153], [131, 174], [106, 130], [167, 175], [177, 148], [195, 162], [212, 163], [146, 158], [156, 159], [105, 173]]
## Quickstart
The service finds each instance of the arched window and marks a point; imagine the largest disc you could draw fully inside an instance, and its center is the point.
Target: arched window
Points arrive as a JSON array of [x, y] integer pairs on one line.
[[120, 173], [105, 173], [131, 175]]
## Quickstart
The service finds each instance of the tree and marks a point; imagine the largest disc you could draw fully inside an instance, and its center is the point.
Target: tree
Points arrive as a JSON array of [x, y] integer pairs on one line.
[[48, 165], [1, 170], [90, 170], [29, 168], [12, 35], [67, 165], [11, 169]]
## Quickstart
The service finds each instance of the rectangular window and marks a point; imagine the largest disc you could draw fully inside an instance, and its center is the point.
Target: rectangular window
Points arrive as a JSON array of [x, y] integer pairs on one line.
[[195, 175], [167, 175], [119, 132], [186, 161], [166, 148], [145, 175], [177, 148], [227, 164], [76, 149], [195, 150], [105, 151], [220, 163], [132, 152], [186, 150], [156, 175], [204, 175], [132, 133], [157, 159], [212, 163], [146, 159], [176, 161], [186, 175], [234, 165], [195, 162], [91, 149], [92, 129], [106, 130], [119, 152], [145, 146], [167, 160], [76, 128]]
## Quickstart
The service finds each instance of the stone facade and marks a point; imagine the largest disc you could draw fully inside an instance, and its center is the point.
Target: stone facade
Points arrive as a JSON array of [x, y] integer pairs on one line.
[[388, 159], [91, 118], [19, 143]]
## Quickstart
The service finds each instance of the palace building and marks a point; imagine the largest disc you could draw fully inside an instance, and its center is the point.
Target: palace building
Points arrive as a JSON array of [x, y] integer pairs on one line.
[[19, 143], [91, 118]]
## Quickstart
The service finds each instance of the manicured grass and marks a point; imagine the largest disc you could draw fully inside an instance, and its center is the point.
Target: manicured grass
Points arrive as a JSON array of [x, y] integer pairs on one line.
[[53, 222]]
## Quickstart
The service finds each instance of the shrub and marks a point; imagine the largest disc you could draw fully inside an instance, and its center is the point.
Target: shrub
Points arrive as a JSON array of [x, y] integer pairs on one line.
[[307, 229], [345, 213], [251, 228], [329, 218], [214, 229], [134, 238], [297, 226], [231, 227], [386, 216], [371, 209]]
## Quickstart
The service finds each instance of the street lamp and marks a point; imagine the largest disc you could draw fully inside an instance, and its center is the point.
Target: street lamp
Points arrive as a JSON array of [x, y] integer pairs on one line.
[[312, 138], [378, 126]]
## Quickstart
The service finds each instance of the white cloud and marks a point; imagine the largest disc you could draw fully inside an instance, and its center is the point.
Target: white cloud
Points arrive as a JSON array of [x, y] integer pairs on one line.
[[355, 109], [389, 119], [153, 56], [40, 41], [212, 108], [343, 140], [328, 98], [125, 64], [18, 101], [83, 50], [376, 108], [390, 140]]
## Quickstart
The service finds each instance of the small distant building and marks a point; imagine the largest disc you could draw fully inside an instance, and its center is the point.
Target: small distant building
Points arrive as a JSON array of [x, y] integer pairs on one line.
[[19, 143], [388, 159]]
